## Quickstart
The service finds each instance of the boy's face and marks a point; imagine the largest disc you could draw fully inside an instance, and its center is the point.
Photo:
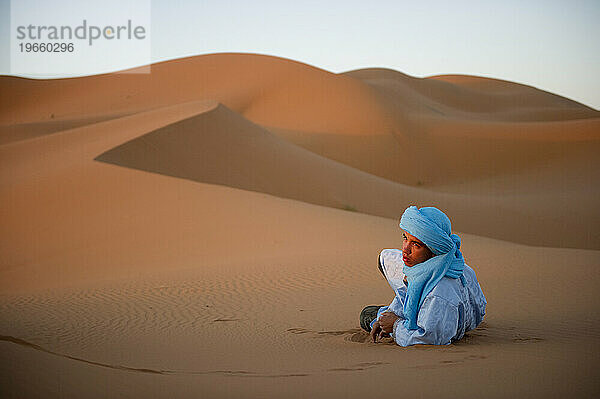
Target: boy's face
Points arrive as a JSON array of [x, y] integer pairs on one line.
[[413, 250]]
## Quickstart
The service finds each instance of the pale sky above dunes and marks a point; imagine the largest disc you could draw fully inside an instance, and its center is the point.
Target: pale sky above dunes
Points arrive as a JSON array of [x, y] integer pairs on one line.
[[548, 44]]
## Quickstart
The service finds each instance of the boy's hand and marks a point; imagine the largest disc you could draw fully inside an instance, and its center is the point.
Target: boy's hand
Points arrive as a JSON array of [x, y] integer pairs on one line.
[[386, 322], [377, 332]]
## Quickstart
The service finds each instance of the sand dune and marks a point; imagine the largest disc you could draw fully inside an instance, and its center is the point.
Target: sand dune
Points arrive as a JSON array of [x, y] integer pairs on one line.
[[470, 152], [268, 90], [280, 93], [473, 97], [221, 147], [475, 132], [211, 229], [407, 124]]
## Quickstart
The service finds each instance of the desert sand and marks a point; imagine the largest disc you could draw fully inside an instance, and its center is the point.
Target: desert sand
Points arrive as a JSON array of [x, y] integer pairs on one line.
[[211, 230]]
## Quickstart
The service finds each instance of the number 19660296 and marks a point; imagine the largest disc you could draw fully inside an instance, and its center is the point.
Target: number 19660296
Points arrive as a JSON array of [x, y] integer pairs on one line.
[[46, 47]]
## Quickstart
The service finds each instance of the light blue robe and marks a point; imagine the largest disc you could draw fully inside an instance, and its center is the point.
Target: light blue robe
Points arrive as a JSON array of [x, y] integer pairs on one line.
[[452, 308]]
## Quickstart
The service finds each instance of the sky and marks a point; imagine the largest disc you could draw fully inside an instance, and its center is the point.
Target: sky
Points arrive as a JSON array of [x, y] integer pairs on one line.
[[551, 44]]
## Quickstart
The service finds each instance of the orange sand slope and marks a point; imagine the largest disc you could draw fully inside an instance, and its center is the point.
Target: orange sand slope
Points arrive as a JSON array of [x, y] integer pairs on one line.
[[210, 229]]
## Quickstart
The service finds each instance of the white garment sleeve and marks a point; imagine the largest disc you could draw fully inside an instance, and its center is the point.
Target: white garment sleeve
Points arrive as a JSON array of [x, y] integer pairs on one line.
[[438, 323]]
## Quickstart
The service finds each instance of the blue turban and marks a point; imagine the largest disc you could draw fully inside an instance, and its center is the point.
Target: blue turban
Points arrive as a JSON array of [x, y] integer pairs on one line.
[[432, 227]]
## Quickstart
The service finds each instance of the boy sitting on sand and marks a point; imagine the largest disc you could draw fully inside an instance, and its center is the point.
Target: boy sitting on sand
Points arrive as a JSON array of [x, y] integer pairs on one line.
[[438, 297]]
